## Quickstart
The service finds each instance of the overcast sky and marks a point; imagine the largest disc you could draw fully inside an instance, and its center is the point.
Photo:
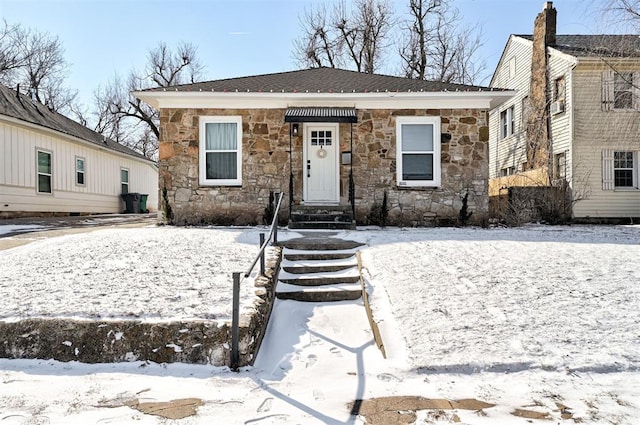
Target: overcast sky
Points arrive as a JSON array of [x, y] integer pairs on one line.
[[241, 37]]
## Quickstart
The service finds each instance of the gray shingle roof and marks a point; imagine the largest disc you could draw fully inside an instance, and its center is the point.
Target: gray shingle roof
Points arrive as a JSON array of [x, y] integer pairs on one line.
[[602, 45], [321, 80], [21, 107]]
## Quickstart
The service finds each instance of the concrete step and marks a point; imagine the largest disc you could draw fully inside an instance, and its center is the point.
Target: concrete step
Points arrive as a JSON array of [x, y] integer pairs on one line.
[[331, 225], [340, 292], [320, 244], [318, 266], [299, 255], [328, 216]]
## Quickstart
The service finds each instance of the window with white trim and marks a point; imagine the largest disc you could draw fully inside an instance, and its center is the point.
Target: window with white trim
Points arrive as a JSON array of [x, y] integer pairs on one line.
[[418, 151], [624, 169], [623, 90], [507, 122], [79, 171], [620, 90], [45, 171], [619, 169], [221, 150], [124, 181]]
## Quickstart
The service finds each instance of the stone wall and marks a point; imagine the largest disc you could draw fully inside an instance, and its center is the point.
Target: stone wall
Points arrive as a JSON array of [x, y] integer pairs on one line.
[[267, 163], [96, 341]]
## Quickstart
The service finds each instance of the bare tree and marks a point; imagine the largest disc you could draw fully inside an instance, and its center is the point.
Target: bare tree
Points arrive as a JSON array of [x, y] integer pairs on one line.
[[624, 10], [126, 119], [357, 37], [35, 61], [436, 48]]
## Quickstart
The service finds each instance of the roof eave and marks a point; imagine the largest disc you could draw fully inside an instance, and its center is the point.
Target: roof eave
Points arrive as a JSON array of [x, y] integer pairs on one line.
[[169, 99]]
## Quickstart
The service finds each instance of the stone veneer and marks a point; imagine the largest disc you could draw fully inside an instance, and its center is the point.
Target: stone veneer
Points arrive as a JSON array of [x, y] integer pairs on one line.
[[266, 165]]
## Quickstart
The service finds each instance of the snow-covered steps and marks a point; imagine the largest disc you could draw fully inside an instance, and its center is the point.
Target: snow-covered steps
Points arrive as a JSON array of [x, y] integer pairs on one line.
[[335, 292], [319, 268], [321, 278], [318, 265], [300, 254]]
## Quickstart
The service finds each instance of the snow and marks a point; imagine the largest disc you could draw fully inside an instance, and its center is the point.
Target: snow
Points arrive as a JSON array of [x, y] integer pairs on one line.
[[16, 228], [539, 319]]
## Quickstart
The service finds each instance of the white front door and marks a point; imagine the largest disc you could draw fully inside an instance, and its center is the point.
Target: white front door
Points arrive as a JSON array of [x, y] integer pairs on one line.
[[321, 146]]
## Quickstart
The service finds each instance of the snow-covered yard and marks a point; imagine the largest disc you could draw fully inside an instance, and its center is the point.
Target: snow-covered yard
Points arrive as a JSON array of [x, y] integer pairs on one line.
[[537, 319]]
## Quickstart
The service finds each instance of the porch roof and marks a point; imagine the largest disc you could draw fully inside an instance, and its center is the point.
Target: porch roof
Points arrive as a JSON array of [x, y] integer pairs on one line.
[[321, 114]]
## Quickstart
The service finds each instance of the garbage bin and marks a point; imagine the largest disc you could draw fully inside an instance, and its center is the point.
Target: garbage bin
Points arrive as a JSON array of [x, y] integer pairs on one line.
[[131, 202], [143, 203]]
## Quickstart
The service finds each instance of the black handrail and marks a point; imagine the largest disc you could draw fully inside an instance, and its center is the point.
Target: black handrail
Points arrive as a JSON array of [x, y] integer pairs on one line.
[[235, 315], [272, 231]]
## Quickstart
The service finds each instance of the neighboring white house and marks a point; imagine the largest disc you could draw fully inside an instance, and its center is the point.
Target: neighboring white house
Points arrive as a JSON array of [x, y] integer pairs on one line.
[[583, 92], [51, 164]]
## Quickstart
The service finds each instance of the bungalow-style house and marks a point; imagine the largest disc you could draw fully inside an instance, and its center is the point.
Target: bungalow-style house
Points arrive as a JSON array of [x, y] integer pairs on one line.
[[325, 137], [50, 164], [575, 121]]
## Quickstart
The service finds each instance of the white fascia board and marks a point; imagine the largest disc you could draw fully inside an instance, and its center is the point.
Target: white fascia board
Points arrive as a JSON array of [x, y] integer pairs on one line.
[[380, 100], [73, 139]]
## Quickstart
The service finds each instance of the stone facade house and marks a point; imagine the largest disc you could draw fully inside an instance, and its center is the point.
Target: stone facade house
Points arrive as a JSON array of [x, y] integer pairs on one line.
[[574, 122], [50, 164], [325, 137]]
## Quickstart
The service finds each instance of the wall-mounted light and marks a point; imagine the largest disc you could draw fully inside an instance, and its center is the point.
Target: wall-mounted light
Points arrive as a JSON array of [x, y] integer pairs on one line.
[[294, 129]]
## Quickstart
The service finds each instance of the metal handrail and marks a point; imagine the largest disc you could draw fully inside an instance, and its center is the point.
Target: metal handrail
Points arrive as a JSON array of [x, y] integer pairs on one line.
[[274, 229]]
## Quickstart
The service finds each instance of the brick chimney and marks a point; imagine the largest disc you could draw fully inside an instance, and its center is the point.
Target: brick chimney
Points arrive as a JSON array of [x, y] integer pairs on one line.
[[544, 34]]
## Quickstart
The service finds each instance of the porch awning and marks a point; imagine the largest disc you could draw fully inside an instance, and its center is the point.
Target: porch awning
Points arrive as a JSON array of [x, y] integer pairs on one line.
[[321, 114]]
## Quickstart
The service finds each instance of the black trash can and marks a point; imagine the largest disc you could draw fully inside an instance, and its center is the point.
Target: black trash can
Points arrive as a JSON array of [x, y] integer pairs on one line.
[[131, 202]]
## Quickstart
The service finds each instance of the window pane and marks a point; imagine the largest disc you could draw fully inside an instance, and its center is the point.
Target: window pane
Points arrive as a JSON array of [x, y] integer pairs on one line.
[[417, 166], [44, 162], [79, 165], [221, 136], [623, 178], [417, 137], [623, 160], [222, 165], [124, 176], [44, 183], [124, 188], [80, 178]]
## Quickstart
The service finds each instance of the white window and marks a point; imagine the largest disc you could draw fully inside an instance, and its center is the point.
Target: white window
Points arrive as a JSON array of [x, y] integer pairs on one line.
[[507, 123], [560, 161], [623, 90], [619, 169], [620, 90], [512, 67], [45, 171], [624, 170], [124, 181], [221, 151], [80, 171], [418, 151]]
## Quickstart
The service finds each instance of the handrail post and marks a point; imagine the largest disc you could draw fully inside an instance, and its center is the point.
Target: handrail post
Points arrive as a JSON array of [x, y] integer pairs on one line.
[[235, 323], [262, 255], [274, 225]]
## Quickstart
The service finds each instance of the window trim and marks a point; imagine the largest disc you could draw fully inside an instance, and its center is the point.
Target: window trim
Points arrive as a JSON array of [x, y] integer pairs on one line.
[[83, 172], [630, 90], [38, 173], [507, 122], [219, 119], [437, 158], [128, 182], [633, 168]]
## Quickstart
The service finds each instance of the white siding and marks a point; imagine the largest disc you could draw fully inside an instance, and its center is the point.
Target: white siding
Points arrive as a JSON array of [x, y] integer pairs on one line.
[[561, 123], [594, 131], [511, 151], [101, 192]]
